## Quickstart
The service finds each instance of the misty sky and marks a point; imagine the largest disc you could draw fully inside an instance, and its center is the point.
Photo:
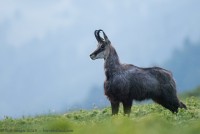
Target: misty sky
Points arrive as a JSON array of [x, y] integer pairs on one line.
[[45, 46]]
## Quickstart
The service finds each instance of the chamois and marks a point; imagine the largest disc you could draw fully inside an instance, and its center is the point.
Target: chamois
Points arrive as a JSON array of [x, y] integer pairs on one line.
[[126, 82]]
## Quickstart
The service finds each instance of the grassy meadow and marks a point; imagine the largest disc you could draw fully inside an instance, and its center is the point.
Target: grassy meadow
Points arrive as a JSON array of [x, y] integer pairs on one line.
[[144, 119]]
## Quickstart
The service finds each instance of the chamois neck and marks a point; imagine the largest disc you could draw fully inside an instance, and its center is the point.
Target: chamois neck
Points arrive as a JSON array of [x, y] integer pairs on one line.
[[112, 61]]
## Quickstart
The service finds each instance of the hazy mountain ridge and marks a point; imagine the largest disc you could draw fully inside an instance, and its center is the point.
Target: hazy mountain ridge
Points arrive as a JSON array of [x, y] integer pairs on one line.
[[185, 65]]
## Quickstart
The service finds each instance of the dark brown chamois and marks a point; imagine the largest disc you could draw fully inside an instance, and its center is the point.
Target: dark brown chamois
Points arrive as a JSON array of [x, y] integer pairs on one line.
[[125, 82]]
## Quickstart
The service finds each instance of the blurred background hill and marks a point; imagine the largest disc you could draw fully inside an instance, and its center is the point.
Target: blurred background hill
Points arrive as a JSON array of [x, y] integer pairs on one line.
[[185, 65]]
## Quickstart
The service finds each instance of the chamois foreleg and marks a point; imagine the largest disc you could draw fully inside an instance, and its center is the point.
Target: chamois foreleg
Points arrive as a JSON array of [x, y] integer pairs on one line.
[[127, 107], [115, 107]]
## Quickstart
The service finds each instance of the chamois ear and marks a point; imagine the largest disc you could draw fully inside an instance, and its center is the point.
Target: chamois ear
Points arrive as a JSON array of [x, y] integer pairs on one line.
[[105, 37]]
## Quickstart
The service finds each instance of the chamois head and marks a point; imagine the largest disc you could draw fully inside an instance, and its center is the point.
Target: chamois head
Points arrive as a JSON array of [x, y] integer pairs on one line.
[[102, 50]]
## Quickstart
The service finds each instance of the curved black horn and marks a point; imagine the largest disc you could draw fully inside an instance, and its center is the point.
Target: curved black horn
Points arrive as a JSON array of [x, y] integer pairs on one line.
[[100, 38], [96, 33]]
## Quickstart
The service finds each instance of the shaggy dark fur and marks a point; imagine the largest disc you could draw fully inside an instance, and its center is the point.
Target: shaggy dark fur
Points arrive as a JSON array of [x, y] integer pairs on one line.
[[125, 83]]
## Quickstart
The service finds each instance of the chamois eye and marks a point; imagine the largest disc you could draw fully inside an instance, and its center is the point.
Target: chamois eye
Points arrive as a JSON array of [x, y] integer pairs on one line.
[[102, 46]]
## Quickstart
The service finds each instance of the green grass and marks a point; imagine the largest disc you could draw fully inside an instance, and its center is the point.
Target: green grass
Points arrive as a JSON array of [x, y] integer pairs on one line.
[[144, 119]]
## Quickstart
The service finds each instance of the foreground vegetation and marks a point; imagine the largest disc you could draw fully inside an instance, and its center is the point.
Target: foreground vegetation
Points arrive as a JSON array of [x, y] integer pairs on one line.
[[145, 118]]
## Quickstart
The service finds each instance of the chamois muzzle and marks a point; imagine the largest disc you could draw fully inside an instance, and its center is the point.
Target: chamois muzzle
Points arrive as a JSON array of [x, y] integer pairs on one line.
[[92, 56]]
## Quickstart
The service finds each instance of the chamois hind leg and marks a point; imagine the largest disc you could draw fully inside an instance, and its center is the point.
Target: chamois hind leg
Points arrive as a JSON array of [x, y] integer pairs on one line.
[[127, 107], [115, 107], [168, 98], [172, 104]]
